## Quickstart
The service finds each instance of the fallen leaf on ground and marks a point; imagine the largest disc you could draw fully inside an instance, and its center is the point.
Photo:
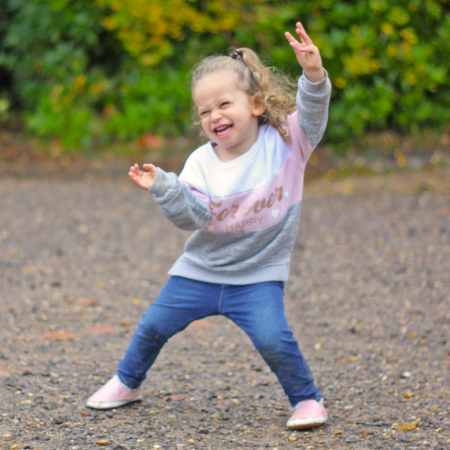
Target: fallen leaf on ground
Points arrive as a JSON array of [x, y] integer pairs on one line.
[[406, 426], [58, 335], [87, 301], [178, 396], [201, 324], [99, 329]]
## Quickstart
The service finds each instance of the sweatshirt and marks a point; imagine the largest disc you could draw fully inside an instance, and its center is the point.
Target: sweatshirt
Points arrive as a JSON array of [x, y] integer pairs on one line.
[[245, 211]]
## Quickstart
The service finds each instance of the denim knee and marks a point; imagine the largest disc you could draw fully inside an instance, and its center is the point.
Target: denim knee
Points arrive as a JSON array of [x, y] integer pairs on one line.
[[151, 329]]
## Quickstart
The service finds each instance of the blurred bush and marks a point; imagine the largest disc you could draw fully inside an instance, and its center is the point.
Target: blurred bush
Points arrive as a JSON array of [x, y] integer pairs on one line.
[[90, 72]]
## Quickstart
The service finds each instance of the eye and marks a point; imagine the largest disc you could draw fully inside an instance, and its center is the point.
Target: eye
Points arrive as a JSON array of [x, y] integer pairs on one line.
[[224, 104], [204, 113]]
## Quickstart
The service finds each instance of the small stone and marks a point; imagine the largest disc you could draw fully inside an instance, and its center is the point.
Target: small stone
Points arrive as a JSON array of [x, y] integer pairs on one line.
[[102, 442], [60, 419]]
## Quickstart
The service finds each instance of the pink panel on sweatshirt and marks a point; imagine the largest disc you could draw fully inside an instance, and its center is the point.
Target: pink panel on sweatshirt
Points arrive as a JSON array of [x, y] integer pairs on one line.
[[198, 194], [299, 145], [259, 208]]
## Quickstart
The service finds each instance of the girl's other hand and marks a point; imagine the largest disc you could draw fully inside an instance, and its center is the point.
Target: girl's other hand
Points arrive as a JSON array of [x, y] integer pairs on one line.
[[307, 53], [143, 179]]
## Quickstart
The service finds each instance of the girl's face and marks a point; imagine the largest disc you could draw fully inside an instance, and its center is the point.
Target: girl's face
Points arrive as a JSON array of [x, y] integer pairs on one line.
[[229, 117]]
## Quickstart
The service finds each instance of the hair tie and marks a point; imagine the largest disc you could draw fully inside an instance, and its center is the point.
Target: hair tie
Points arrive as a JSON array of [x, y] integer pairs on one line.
[[235, 54]]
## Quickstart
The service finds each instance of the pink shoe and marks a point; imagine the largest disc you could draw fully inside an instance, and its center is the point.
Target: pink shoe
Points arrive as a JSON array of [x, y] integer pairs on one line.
[[307, 414], [112, 395]]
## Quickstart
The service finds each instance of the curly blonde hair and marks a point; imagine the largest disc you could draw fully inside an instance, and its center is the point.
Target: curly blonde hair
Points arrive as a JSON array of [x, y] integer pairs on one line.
[[262, 84]]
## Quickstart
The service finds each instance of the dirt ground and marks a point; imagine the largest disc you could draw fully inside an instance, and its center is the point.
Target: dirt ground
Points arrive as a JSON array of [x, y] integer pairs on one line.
[[368, 300]]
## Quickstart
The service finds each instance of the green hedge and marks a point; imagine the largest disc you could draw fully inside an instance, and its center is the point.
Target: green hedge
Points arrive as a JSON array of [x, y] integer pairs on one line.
[[71, 78]]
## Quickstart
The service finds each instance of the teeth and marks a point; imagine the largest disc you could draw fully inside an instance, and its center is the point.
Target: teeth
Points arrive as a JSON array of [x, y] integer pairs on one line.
[[222, 130]]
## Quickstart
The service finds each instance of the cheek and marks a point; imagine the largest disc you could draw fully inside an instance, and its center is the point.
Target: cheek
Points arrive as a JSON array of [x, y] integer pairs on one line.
[[205, 124]]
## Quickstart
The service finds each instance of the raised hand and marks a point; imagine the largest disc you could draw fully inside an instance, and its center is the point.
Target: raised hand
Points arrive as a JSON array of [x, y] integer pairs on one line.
[[307, 53], [143, 179]]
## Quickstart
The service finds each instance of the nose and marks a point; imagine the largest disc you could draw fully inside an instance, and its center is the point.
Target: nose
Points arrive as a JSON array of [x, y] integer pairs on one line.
[[215, 115]]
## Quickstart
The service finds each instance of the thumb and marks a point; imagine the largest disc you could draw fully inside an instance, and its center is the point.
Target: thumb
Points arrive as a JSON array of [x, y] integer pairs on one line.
[[151, 169]]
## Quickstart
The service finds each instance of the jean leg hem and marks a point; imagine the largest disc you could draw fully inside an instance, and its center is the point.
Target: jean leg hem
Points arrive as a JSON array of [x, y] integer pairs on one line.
[[126, 383], [295, 401]]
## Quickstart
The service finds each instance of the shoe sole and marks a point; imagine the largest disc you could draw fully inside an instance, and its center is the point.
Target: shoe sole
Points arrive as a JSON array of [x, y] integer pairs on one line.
[[304, 424], [110, 405]]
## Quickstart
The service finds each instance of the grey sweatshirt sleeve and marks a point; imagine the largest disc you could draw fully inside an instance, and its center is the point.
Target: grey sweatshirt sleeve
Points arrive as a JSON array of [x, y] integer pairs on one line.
[[178, 203], [312, 106]]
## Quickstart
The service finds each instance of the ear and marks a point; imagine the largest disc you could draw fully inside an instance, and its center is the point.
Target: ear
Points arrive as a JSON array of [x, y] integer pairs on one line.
[[258, 107]]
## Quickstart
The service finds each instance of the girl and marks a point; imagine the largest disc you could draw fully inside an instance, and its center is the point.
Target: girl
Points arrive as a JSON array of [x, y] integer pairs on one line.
[[242, 192]]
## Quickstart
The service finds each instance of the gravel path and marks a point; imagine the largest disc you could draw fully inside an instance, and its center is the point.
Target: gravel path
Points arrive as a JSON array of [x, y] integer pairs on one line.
[[368, 300]]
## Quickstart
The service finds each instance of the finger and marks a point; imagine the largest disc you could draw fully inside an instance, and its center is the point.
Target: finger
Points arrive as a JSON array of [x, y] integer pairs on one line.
[[133, 178], [291, 38], [302, 33], [150, 168], [153, 171], [133, 174], [309, 49], [294, 43], [297, 47]]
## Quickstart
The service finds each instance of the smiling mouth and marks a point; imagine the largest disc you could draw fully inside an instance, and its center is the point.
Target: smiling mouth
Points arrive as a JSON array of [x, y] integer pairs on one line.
[[223, 129]]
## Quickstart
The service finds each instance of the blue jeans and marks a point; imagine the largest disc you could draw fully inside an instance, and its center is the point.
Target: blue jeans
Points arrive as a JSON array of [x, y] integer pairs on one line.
[[256, 308]]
